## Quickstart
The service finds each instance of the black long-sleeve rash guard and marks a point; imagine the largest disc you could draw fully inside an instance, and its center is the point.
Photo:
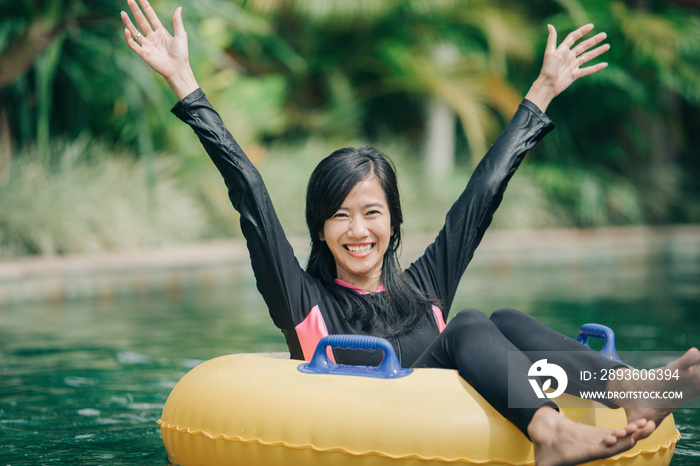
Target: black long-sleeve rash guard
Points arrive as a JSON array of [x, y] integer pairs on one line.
[[299, 304]]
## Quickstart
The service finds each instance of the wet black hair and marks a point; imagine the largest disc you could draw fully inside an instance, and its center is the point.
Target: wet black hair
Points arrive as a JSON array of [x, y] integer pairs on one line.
[[401, 307]]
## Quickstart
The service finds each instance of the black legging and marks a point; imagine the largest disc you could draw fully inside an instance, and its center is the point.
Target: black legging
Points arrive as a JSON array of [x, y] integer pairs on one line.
[[478, 348]]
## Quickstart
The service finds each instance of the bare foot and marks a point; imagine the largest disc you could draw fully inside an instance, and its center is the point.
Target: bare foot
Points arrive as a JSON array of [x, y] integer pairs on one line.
[[687, 382], [560, 441]]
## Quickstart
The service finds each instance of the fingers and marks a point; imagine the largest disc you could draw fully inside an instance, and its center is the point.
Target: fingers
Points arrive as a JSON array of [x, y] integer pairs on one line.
[[593, 54], [130, 32], [577, 34], [141, 20], [149, 22], [150, 14], [131, 42], [585, 51], [179, 27], [552, 38], [590, 70], [589, 43], [127, 21]]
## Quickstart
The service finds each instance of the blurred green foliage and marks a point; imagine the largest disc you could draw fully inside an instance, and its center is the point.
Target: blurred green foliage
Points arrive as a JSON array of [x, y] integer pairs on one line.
[[287, 74]]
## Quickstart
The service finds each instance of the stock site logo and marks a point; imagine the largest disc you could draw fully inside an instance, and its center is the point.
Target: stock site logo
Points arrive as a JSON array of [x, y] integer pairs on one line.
[[542, 369]]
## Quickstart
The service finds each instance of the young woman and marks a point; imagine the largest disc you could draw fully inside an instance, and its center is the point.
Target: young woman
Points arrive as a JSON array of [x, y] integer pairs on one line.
[[353, 283]]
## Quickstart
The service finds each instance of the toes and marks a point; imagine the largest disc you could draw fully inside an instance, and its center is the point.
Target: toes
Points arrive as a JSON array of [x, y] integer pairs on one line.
[[644, 431], [610, 440], [689, 359]]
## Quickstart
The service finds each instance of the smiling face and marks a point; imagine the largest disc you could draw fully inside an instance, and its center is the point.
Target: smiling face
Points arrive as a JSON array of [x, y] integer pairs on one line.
[[359, 233]]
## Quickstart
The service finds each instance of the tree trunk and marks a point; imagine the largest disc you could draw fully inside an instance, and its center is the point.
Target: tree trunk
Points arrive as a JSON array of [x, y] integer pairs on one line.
[[440, 122], [440, 138]]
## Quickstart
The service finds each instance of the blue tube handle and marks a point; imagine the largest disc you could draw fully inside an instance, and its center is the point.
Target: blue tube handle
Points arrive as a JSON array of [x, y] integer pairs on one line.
[[390, 368], [602, 332]]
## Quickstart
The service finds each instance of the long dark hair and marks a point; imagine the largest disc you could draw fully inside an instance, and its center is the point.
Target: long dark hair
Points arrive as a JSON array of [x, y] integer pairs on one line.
[[401, 307]]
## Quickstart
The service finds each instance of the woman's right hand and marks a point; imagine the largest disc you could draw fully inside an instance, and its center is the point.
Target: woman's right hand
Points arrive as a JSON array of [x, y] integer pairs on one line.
[[564, 64], [168, 55]]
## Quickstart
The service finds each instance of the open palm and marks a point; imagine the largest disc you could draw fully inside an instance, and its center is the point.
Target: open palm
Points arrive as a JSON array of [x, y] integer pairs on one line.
[[564, 64], [168, 55]]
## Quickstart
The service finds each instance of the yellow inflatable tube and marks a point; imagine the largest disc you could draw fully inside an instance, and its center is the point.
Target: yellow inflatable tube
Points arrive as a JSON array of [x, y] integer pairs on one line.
[[260, 410]]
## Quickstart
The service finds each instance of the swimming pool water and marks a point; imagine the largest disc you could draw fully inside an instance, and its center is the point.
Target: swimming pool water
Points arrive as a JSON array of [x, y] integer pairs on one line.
[[85, 382]]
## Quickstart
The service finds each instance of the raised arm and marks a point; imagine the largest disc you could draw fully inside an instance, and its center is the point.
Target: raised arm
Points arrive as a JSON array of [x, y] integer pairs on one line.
[[562, 64], [278, 273], [167, 55], [440, 269]]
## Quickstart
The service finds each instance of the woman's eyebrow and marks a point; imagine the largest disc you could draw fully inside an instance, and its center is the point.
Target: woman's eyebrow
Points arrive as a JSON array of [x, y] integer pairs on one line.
[[366, 206]]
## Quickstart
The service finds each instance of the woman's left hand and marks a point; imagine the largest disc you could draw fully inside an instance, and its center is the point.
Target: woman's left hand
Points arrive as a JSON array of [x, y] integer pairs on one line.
[[168, 55], [564, 64]]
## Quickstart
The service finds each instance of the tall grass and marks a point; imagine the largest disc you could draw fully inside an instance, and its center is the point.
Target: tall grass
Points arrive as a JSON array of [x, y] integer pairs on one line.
[[87, 197]]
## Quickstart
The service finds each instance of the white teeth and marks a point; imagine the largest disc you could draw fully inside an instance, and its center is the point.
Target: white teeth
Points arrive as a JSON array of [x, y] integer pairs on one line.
[[359, 249]]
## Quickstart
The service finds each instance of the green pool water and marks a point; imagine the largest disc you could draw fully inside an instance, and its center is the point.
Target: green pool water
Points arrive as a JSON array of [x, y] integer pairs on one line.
[[85, 382]]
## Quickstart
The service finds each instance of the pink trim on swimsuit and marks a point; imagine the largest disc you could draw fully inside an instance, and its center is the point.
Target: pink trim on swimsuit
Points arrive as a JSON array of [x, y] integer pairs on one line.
[[357, 289], [437, 313], [310, 331], [438, 318]]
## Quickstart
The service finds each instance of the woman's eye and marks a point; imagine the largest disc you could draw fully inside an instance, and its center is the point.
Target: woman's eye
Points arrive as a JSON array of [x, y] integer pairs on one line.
[[373, 212], [340, 215]]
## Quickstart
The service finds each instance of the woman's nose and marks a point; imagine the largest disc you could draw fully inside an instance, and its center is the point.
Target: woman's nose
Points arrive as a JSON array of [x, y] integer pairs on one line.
[[358, 229]]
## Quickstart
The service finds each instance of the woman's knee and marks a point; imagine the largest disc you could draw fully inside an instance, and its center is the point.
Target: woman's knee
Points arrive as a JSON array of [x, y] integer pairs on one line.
[[507, 317], [467, 319]]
